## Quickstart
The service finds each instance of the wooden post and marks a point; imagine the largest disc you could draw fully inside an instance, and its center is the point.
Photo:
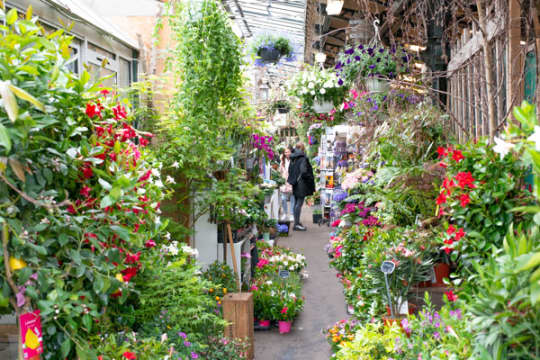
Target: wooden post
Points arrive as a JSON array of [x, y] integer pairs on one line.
[[513, 62], [233, 254], [238, 312]]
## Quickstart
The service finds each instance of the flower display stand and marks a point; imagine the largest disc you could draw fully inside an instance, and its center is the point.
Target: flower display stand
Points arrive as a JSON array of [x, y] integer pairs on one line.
[[238, 312], [322, 107], [377, 85]]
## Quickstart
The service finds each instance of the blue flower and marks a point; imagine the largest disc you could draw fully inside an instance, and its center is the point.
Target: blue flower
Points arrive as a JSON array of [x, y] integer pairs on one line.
[[372, 66], [339, 65], [357, 58], [361, 47], [349, 51]]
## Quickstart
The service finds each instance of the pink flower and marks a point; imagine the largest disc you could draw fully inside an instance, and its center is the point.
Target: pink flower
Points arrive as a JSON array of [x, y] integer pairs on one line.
[[262, 263], [354, 94], [150, 243], [133, 258], [119, 112], [93, 110], [85, 191], [284, 310], [336, 223]]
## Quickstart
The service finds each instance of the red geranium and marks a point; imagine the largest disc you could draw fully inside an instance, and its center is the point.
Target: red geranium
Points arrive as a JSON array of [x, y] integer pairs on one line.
[[464, 200], [460, 234], [441, 199], [465, 179], [457, 155], [451, 296], [442, 151], [129, 355], [451, 230]]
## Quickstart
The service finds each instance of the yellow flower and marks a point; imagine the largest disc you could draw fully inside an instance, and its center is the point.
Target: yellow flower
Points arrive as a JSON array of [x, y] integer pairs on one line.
[[219, 302], [16, 264], [211, 290], [119, 277], [217, 298]]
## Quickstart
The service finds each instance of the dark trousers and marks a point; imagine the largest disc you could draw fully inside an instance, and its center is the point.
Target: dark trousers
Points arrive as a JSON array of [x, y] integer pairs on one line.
[[298, 203]]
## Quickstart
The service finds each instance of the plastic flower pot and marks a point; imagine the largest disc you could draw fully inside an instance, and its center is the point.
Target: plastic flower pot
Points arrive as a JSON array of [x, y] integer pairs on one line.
[[264, 323], [442, 271], [322, 107], [317, 218], [284, 326], [283, 110], [377, 85], [269, 55]]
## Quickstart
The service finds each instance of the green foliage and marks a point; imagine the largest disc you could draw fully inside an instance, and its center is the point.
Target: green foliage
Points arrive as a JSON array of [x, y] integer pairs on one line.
[[372, 341]]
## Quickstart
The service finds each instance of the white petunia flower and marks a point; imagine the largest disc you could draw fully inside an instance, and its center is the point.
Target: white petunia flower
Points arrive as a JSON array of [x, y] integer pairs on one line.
[[322, 91], [170, 180], [155, 172], [311, 85], [502, 147], [535, 137], [158, 183], [175, 165]]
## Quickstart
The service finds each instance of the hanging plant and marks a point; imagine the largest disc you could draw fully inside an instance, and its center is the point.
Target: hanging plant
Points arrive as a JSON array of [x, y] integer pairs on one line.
[[319, 89], [282, 106], [270, 49], [375, 62]]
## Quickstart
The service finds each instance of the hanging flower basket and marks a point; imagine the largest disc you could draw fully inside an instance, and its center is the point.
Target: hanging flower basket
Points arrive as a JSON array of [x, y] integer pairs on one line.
[[269, 54], [322, 107], [376, 85]]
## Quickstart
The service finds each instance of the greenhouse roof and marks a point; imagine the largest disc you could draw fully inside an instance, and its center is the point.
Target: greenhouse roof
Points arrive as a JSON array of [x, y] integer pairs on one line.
[[272, 16]]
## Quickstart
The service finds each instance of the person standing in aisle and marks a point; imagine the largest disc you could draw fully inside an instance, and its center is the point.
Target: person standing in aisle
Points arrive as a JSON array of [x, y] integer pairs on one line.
[[302, 180], [286, 189]]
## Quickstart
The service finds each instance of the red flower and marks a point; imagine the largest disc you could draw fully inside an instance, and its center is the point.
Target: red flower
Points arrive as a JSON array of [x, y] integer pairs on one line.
[[441, 199], [129, 273], [447, 250], [451, 229], [100, 357], [119, 112], [457, 156], [284, 310], [464, 200], [133, 258], [262, 263], [443, 165], [85, 191], [150, 244], [442, 151], [448, 184], [129, 355], [336, 223], [143, 141], [104, 92], [449, 241], [145, 176], [87, 171], [99, 131], [451, 296], [93, 110], [460, 234], [71, 209], [465, 179]]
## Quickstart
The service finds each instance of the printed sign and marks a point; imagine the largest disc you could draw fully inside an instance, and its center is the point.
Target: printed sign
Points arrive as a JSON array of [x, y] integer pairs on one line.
[[32, 341], [388, 267], [284, 274]]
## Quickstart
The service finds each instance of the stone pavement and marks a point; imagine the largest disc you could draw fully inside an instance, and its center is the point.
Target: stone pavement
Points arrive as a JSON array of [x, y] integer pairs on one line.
[[324, 303]]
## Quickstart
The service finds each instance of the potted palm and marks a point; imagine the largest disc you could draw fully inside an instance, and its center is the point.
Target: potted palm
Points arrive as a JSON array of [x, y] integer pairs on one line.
[[319, 89], [375, 65]]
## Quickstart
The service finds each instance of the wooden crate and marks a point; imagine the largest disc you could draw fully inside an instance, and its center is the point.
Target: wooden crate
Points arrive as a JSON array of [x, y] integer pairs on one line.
[[238, 311]]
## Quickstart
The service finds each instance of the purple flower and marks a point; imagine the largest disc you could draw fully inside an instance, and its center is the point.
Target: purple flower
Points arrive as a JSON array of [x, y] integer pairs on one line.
[[378, 59], [349, 51], [372, 67], [182, 335], [381, 50], [194, 355], [357, 58], [187, 343], [456, 313], [436, 335], [348, 61], [339, 65], [405, 326], [340, 82], [405, 59], [370, 51], [361, 47]]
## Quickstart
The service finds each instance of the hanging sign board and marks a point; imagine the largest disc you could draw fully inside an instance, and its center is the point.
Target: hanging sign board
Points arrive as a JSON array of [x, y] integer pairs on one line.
[[31, 335], [284, 274]]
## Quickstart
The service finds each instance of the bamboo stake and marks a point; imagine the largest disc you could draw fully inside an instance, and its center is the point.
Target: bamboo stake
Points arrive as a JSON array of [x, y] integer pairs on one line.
[[235, 266]]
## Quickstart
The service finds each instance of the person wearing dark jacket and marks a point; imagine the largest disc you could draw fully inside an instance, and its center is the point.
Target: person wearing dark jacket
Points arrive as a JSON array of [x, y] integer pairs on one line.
[[302, 180]]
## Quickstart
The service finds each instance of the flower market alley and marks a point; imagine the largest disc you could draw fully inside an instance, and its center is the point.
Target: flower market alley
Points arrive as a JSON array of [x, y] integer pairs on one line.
[[324, 302], [270, 179]]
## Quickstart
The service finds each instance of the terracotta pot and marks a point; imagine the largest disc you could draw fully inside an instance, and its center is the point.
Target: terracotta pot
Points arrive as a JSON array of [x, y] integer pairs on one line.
[[264, 323], [442, 271], [284, 327]]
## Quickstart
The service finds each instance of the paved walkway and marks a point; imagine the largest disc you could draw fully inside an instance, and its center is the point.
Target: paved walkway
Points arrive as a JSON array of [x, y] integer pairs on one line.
[[324, 304]]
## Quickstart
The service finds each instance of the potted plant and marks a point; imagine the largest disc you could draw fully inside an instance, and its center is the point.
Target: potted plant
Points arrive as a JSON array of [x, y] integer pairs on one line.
[[282, 106], [317, 216], [318, 89], [270, 48], [262, 302], [287, 303], [373, 64]]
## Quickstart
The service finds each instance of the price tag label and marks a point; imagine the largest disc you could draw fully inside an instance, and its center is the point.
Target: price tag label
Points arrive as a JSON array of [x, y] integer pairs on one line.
[[284, 274], [388, 267], [31, 335]]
